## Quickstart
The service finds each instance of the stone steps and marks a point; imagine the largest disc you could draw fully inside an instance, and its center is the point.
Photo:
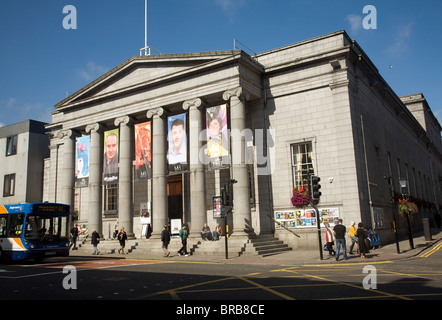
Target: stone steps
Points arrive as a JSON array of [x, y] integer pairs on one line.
[[262, 245]]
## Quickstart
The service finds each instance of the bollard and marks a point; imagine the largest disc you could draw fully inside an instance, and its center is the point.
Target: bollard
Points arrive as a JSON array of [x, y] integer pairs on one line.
[[427, 229]]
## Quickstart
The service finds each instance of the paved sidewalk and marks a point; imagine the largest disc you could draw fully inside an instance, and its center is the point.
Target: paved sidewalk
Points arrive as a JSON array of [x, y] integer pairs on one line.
[[296, 257]]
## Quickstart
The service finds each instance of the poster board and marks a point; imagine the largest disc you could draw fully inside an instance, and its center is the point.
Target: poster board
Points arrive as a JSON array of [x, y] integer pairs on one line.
[[305, 218], [175, 227]]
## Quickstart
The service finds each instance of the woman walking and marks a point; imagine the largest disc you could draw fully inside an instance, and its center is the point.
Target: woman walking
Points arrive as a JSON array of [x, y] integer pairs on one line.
[[362, 235], [122, 236]]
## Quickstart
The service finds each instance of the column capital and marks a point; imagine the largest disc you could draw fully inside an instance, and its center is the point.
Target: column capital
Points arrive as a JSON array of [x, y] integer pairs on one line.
[[197, 103], [68, 133], [124, 120], [94, 127], [238, 92], [161, 112]]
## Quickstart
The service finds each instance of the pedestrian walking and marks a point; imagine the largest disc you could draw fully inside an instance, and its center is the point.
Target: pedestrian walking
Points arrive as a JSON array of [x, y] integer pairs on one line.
[[353, 237], [122, 237], [95, 240], [74, 235], [184, 235], [339, 233], [330, 240], [165, 239], [362, 235]]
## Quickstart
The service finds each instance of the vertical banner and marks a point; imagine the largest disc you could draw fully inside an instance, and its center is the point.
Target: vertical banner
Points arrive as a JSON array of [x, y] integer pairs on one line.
[[143, 155], [82, 161], [177, 146], [110, 162], [217, 137]]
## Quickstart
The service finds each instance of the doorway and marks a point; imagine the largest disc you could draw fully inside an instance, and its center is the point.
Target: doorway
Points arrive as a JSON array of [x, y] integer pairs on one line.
[[175, 197]]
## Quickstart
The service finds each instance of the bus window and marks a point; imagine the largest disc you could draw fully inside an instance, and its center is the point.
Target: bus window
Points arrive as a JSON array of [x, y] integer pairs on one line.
[[3, 220], [45, 228], [16, 224]]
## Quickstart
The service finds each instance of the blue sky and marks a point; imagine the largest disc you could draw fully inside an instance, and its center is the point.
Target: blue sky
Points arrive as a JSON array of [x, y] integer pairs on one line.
[[41, 62]]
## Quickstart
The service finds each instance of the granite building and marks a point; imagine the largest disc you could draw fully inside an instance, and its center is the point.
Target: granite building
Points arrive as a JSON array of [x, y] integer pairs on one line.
[[154, 141], [24, 148]]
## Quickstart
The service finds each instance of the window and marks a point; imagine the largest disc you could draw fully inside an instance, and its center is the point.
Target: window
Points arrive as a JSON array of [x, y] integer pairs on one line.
[[3, 223], [16, 224], [110, 197], [302, 165], [11, 146], [46, 228], [9, 185]]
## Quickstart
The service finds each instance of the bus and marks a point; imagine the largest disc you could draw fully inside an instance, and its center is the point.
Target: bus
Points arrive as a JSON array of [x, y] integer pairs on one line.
[[34, 230]]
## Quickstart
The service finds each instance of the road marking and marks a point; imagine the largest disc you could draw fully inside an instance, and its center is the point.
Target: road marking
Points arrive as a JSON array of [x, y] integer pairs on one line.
[[279, 294], [350, 285], [431, 251]]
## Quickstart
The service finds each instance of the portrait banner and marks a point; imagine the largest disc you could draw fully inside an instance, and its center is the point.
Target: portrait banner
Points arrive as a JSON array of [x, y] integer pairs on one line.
[[143, 147], [217, 137], [82, 147], [110, 161], [177, 143]]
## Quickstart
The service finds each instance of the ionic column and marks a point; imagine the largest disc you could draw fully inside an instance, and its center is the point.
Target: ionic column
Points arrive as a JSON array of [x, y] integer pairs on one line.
[[68, 173], [241, 192], [125, 211], [196, 167], [95, 177], [160, 215]]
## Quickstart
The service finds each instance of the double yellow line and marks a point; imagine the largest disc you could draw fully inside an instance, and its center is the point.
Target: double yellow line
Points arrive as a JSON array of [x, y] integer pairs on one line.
[[430, 252]]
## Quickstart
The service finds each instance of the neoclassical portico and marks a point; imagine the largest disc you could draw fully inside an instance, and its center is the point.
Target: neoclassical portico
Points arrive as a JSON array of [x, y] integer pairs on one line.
[[151, 90]]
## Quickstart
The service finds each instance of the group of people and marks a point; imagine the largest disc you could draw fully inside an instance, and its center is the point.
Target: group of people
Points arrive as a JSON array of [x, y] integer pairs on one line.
[[184, 236], [165, 238], [358, 236], [95, 239]]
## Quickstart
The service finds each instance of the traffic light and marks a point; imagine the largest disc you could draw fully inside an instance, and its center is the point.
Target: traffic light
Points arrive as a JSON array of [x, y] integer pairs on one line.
[[315, 186], [225, 197]]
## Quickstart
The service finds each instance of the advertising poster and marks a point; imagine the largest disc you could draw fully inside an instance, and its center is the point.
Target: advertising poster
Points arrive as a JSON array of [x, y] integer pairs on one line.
[[110, 161], [143, 155], [217, 207], [305, 218], [82, 161], [217, 136], [177, 143]]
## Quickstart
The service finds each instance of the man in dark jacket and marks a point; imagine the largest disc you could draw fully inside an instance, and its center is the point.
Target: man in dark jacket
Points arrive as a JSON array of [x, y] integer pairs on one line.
[[339, 232], [95, 240], [165, 238]]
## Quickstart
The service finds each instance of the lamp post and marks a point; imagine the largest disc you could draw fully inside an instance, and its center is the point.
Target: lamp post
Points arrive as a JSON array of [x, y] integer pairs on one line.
[[394, 224], [404, 192]]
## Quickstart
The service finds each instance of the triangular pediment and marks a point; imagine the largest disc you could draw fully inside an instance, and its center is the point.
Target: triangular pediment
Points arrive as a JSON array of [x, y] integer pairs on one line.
[[137, 72]]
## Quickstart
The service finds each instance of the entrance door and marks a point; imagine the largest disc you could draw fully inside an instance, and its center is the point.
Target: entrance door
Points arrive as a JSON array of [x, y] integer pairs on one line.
[[175, 197]]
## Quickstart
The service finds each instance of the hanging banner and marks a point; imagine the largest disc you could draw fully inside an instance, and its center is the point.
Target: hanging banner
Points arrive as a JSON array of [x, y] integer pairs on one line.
[[177, 146], [143, 155], [217, 137], [83, 145], [110, 162]]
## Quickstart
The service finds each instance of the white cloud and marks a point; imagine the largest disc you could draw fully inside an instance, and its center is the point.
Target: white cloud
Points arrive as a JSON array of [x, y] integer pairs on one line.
[[355, 22], [230, 6], [91, 71], [400, 42], [23, 111]]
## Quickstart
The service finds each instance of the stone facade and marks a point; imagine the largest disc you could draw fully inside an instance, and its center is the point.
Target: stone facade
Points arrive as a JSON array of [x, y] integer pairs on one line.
[[323, 94], [21, 168]]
